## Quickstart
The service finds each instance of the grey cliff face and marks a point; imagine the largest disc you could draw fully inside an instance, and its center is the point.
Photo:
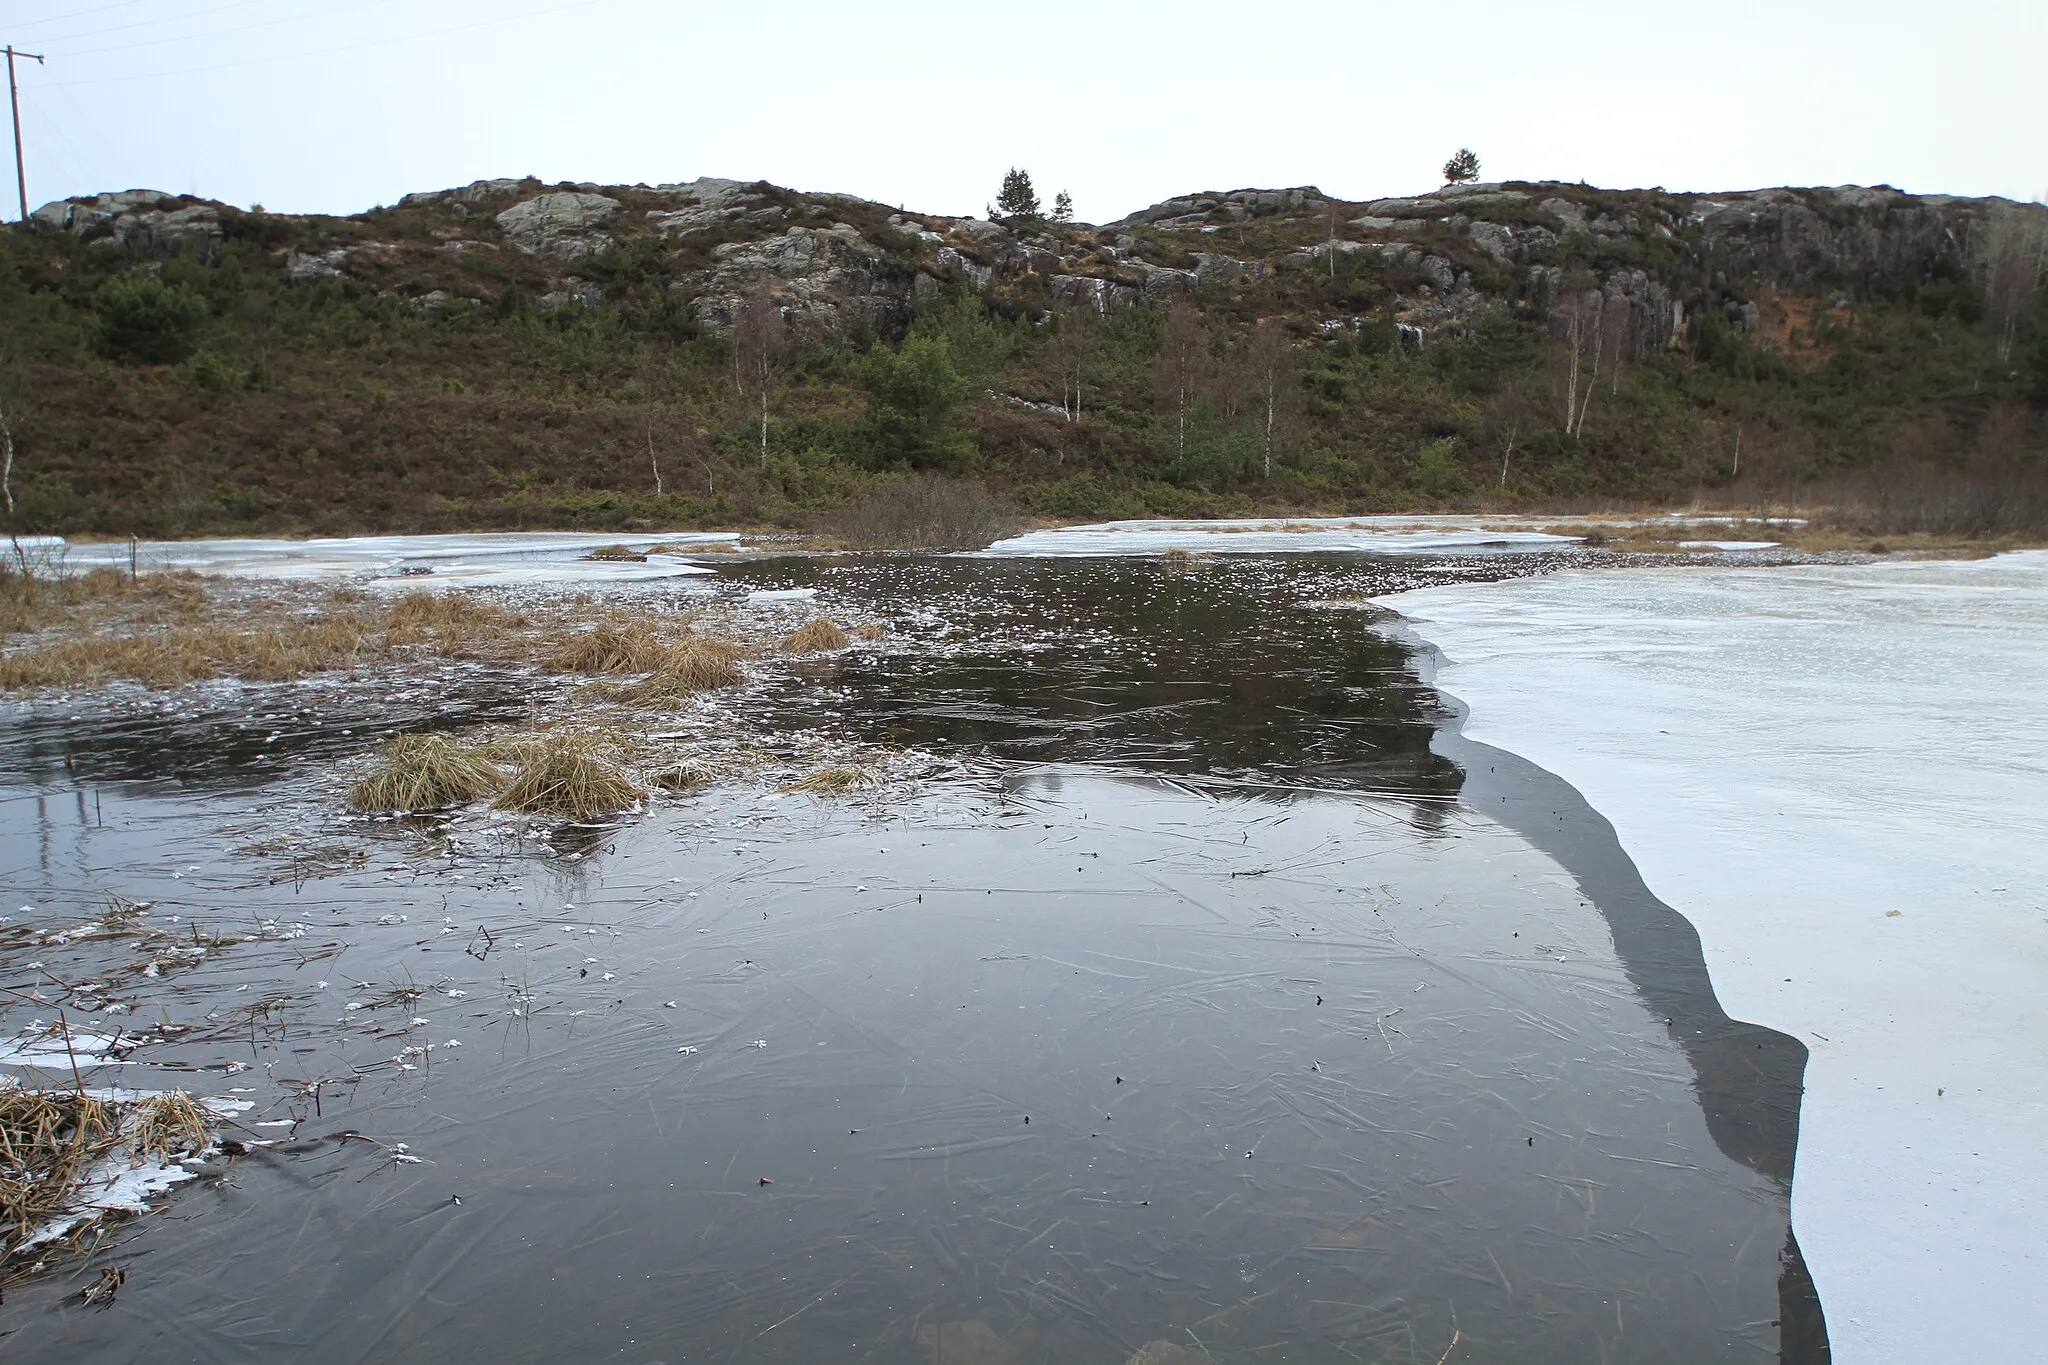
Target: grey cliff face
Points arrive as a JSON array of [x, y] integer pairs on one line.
[[564, 227]]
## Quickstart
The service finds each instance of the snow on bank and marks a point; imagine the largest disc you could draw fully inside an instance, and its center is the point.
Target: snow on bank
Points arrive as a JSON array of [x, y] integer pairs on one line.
[[504, 559], [1270, 535], [1840, 775]]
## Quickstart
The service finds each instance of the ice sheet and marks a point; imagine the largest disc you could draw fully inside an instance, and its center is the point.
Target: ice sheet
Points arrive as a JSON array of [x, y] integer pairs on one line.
[[1270, 535], [508, 559], [1840, 774]]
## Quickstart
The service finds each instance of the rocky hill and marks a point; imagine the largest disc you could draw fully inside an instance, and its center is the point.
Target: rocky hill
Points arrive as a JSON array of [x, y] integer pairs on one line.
[[513, 353]]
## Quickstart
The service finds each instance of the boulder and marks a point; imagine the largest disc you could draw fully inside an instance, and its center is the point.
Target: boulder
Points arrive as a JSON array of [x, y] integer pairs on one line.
[[829, 281], [563, 226], [312, 267], [473, 193], [148, 220], [1075, 291], [1223, 271], [955, 266], [1495, 240], [574, 293], [981, 233], [1570, 217], [1162, 284]]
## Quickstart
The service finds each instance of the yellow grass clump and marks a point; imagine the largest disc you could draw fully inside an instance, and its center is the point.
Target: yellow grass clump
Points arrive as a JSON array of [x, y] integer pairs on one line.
[[617, 554], [833, 781], [425, 772], [818, 637], [683, 777], [452, 621], [693, 666], [571, 774], [610, 647]]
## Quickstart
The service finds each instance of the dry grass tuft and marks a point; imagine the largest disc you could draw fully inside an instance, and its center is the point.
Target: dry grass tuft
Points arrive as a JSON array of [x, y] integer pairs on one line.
[[36, 601], [834, 781], [571, 774], [617, 554], [453, 622], [52, 1140], [684, 777], [163, 1126], [48, 1143], [819, 637], [696, 665], [610, 648], [425, 772]]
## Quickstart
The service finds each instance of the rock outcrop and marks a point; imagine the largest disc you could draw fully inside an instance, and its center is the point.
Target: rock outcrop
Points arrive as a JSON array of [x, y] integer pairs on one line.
[[564, 227], [147, 219], [838, 264]]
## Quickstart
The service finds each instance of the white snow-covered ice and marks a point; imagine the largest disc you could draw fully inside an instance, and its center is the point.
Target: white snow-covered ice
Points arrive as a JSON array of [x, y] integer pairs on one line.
[[499, 559], [1840, 775], [1278, 535]]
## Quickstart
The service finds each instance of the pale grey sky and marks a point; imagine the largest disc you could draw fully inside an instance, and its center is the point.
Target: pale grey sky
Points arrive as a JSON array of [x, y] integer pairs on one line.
[[335, 105]]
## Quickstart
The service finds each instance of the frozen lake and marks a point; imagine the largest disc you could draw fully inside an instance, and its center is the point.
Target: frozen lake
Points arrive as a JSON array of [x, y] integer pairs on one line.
[[1838, 774], [1200, 993]]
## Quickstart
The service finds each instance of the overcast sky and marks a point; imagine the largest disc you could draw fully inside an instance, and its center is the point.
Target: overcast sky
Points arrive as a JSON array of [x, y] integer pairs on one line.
[[336, 105]]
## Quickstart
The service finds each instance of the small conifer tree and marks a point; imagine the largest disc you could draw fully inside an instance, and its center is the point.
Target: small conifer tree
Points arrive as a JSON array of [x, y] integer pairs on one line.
[[1017, 199], [1462, 167], [1063, 207]]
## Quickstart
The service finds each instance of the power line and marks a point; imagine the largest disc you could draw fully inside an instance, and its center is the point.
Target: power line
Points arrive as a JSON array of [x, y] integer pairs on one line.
[[329, 51], [148, 23], [220, 32], [14, 103], [77, 14]]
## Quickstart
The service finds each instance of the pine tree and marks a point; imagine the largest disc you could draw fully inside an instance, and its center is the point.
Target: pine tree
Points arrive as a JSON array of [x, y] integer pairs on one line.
[[1017, 199], [1462, 167], [1063, 207]]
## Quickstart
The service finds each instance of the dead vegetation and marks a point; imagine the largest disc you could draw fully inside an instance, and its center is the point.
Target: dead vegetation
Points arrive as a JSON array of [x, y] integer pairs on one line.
[[840, 780], [610, 647], [52, 1142], [924, 511], [425, 772], [170, 631], [817, 637], [616, 554], [574, 774]]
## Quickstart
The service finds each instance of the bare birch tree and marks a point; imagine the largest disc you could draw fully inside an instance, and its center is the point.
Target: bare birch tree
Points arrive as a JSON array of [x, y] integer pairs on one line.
[[1182, 368], [1277, 382], [760, 353], [2011, 250], [1075, 336], [13, 397], [1577, 324], [1507, 420]]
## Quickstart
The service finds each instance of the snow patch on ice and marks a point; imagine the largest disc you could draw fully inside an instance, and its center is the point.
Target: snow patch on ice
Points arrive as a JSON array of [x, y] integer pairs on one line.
[[502, 559], [41, 1049], [1840, 775], [1277, 535]]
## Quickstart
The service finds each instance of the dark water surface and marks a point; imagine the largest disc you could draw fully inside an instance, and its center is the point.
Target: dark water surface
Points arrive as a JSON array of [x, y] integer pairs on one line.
[[1338, 1037]]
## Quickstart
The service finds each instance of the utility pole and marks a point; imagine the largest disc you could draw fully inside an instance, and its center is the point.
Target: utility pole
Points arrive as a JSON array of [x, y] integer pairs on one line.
[[14, 101]]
